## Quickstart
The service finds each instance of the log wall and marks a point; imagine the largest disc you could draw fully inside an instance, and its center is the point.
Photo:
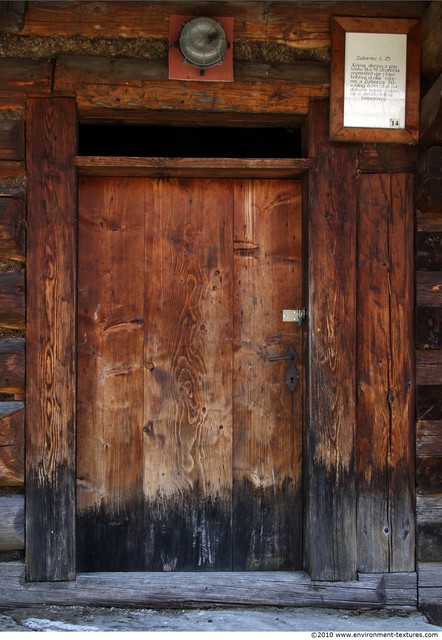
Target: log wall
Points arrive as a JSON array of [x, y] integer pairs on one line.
[[428, 316], [283, 59]]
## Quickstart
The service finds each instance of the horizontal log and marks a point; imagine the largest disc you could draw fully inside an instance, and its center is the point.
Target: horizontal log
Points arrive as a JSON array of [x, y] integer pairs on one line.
[[431, 41], [431, 116], [430, 583], [11, 168], [278, 22], [12, 523], [73, 71], [429, 508], [12, 426], [429, 541], [429, 475], [270, 95], [429, 402], [12, 365], [429, 367], [12, 224], [191, 167], [429, 247], [386, 158], [429, 528], [429, 438], [429, 328], [12, 299], [429, 288], [429, 225], [428, 189], [20, 77], [180, 118], [12, 139], [236, 97], [12, 16], [375, 591]]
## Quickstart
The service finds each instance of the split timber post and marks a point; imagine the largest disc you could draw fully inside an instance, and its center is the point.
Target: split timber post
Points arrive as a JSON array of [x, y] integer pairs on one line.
[[50, 354]]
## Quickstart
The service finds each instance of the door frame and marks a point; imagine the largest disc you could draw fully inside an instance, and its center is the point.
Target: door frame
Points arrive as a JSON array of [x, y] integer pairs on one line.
[[329, 200]]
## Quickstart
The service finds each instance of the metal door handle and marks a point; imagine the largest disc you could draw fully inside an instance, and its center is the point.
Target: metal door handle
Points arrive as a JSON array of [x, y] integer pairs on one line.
[[291, 374]]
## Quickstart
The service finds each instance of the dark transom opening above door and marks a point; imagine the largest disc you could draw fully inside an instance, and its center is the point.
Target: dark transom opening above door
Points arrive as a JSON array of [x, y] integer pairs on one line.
[[190, 142]]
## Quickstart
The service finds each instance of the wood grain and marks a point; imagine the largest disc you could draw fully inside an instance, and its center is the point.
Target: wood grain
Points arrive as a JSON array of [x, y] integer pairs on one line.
[[277, 97], [385, 447], [50, 354], [429, 528], [431, 117], [429, 182], [12, 365], [277, 22], [21, 77], [430, 583], [429, 328], [401, 375], [330, 474], [191, 167], [12, 522], [189, 355], [12, 299], [431, 41], [12, 450], [169, 507], [373, 414], [429, 402], [428, 367], [12, 139], [429, 475], [12, 224], [267, 449], [429, 288], [110, 374], [429, 438], [73, 71], [386, 158], [429, 248], [281, 588], [11, 169], [128, 84]]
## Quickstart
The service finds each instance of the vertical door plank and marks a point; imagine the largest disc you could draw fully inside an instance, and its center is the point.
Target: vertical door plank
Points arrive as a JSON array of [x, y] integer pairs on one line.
[[373, 430], [267, 415], [188, 381], [330, 532], [401, 394], [110, 380], [51, 126]]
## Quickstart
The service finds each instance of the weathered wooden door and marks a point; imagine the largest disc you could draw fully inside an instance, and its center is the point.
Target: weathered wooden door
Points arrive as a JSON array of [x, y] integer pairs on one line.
[[189, 437]]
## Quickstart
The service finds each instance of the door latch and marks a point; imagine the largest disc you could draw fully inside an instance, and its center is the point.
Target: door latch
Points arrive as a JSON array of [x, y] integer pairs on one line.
[[291, 374], [294, 315]]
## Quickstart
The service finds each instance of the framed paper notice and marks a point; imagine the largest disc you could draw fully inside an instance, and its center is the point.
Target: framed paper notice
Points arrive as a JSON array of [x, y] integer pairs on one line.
[[374, 93]]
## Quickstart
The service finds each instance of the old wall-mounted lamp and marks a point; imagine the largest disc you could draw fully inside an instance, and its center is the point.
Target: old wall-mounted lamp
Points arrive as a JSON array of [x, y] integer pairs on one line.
[[200, 48]]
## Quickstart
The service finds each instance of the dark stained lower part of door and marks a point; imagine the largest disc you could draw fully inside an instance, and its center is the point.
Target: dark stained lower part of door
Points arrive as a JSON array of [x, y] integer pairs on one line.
[[189, 439]]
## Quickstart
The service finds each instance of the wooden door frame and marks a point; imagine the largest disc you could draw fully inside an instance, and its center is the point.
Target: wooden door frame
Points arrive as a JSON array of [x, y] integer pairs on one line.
[[330, 291]]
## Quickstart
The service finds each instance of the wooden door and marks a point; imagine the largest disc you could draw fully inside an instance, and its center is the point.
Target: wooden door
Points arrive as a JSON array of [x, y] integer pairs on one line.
[[189, 438]]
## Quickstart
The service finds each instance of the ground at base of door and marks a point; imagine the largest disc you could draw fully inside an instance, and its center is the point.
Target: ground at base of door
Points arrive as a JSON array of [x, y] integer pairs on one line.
[[83, 619]]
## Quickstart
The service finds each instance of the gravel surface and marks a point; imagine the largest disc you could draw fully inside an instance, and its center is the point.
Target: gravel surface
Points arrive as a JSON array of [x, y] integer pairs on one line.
[[92, 619]]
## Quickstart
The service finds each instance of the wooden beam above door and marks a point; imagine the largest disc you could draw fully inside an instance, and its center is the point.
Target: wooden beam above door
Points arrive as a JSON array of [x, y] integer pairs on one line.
[[143, 85], [192, 167]]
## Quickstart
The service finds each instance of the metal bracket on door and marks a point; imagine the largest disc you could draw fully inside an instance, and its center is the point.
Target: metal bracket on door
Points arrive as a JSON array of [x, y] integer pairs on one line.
[[291, 374], [294, 315]]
